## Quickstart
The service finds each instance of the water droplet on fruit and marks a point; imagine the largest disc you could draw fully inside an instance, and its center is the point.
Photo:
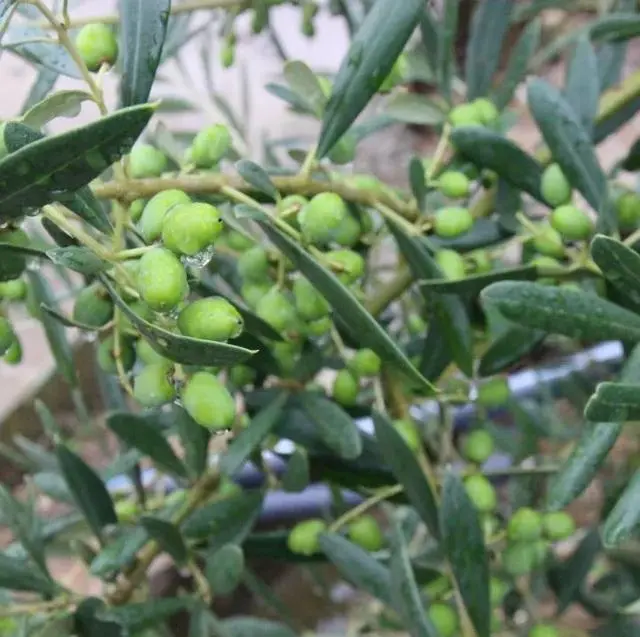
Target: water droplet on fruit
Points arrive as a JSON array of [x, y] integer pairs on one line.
[[199, 260], [33, 265], [88, 337]]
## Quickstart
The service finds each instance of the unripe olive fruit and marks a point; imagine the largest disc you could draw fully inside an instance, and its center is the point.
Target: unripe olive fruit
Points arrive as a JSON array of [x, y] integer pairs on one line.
[[252, 292], [416, 324], [321, 217], [286, 353], [146, 161], [238, 241], [628, 209], [451, 263], [349, 231], [97, 44], [253, 265], [310, 304], [452, 221], [525, 525], [276, 309], [486, 110], [93, 307], [147, 355], [156, 209], [162, 280], [409, 432], [465, 115], [208, 401], [211, 319], [572, 223], [558, 525], [548, 242], [497, 590], [107, 359], [365, 363], [478, 446], [7, 336], [481, 492], [188, 229], [494, 392], [14, 290], [366, 532], [554, 186], [396, 75], [304, 537], [444, 618], [13, 355], [136, 208], [292, 204], [319, 327], [152, 387], [345, 388], [13, 265], [127, 510], [140, 309], [349, 265], [241, 375], [481, 260], [519, 558], [344, 150], [210, 145], [454, 184], [543, 630]]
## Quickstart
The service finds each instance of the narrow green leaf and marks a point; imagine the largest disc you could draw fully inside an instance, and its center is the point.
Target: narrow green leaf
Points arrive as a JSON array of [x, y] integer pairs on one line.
[[19, 575], [65, 320], [571, 148], [224, 569], [54, 486], [436, 354], [358, 567], [623, 521], [119, 552], [88, 490], [615, 28], [55, 333], [5, 5], [88, 622], [337, 429], [181, 349], [489, 150], [404, 589], [488, 29], [136, 618], [474, 284], [413, 108], [619, 264], [251, 627], [509, 348], [194, 439], [227, 521], [257, 177], [58, 104], [417, 181], [446, 41], [79, 259], [137, 432], [562, 311], [53, 167], [372, 54], [451, 312], [250, 438], [429, 29], [297, 475], [361, 323], [582, 84], [463, 544], [167, 536], [304, 83], [632, 160], [517, 65], [143, 29], [404, 465], [614, 402]]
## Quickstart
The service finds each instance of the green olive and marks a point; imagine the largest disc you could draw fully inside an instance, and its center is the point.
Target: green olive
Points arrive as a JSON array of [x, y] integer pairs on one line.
[[106, 356], [156, 209], [548, 242], [147, 355], [554, 186], [211, 319], [465, 115], [162, 280], [366, 532], [253, 265], [454, 184], [345, 388], [349, 232], [397, 74], [444, 618], [136, 209], [572, 223], [188, 229], [238, 241], [13, 355], [349, 265], [486, 111], [242, 375], [286, 354], [210, 145], [525, 525], [543, 630], [146, 161], [93, 307], [209, 402], [365, 363], [152, 387], [97, 44], [310, 304], [452, 221], [519, 558], [252, 292], [558, 525], [494, 392], [304, 537], [481, 492], [319, 327], [344, 150], [451, 263], [321, 218], [276, 309], [14, 290], [478, 446], [498, 588], [628, 209]]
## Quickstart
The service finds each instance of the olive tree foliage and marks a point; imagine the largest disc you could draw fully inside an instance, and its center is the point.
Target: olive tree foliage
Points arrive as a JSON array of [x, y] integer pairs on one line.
[[233, 302]]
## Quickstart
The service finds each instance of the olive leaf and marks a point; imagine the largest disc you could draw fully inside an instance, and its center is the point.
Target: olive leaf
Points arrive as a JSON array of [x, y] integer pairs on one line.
[[508, 348], [250, 626], [79, 259], [619, 264], [614, 402], [623, 521], [18, 575], [445, 55], [167, 536], [119, 552], [413, 108], [304, 83], [474, 284], [136, 618], [224, 569], [257, 177], [58, 104], [582, 86]]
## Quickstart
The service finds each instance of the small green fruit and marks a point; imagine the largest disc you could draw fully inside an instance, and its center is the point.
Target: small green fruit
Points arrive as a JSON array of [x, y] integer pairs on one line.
[[135, 209], [321, 218], [156, 209], [292, 204], [238, 241], [481, 260], [7, 336], [454, 184], [209, 402], [13, 265], [304, 537], [97, 44], [211, 319], [147, 355], [349, 232], [140, 309], [210, 145], [252, 293], [481, 492], [228, 54], [162, 280], [93, 307], [13, 355], [366, 532], [558, 525], [572, 223], [253, 265], [242, 375], [416, 324], [287, 354], [397, 74], [319, 327], [452, 221], [628, 209], [345, 388], [444, 618], [519, 558], [14, 290], [310, 304], [409, 432], [344, 150], [188, 229], [478, 446], [146, 161], [349, 265], [494, 392], [465, 115], [365, 363], [548, 242], [544, 630], [525, 525], [497, 590], [554, 186], [486, 111], [152, 387], [451, 264], [107, 359], [276, 309]]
